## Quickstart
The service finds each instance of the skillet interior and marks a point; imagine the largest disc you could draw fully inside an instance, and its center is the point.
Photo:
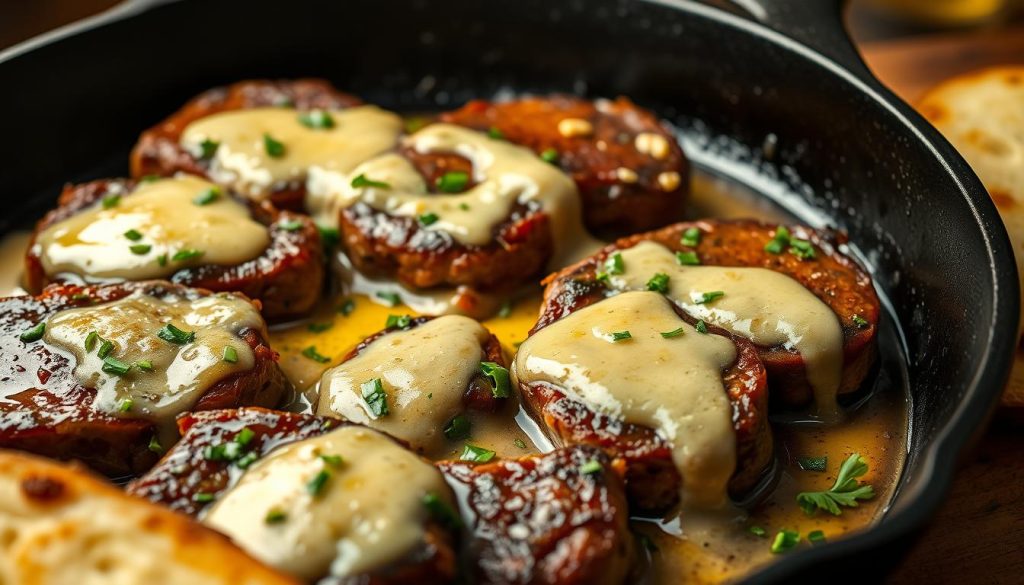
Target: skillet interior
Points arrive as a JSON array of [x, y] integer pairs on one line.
[[827, 146]]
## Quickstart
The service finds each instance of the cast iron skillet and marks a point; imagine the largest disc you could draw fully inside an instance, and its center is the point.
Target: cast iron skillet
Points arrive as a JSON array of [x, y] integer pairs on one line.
[[777, 97]]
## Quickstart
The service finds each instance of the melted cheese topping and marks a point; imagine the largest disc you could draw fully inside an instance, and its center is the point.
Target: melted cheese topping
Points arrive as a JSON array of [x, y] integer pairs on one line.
[[506, 174], [93, 243], [672, 385], [368, 514], [180, 374], [764, 306], [424, 371], [242, 161]]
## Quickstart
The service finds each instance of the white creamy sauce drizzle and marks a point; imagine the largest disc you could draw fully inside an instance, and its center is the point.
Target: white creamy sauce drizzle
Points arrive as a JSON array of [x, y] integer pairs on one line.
[[180, 374], [506, 174], [368, 514], [673, 385], [313, 154], [767, 307], [163, 212], [424, 371]]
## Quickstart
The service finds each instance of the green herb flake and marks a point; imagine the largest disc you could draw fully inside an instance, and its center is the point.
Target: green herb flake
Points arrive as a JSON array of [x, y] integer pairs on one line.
[[126, 405], [375, 397], [162, 259], [362, 181], [346, 307], [223, 452], [614, 264], [90, 340], [658, 283], [316, 485], [464, 206], [274, 148], [245, 436], [701, 327], [174, 335], [415, 123], [519, 443], [112, 365], [144, 365], [392, 299], [332, 460], [498, 376], [230, 354], [844, 492], [673, 333], [816, 536], [202, 497], [812, 463], [495, 133], [291, 225], [784, 541], [140, 249], [591, 467], [186, 254], [802, 249], [691, 237], [275, 516], [208, 148], [709, 296], [549, 155], [441, 511], [400, 321], [317, 120], [319, 327], [154, 445], [458, 428], [81, 296], [207, 196], [452, 182], [621, 336], [477, 454], [111, 201], [246, 460], [779, 241], [311, 353], [505, 310], [133, 235], [105, 348], [428, 219], [687, 258], [758, 531], [859, 321], [34, 333]]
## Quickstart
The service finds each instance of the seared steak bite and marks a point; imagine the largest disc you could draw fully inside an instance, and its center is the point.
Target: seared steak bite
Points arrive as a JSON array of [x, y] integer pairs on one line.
[[98, 373], [630, 171], [847, 300], [186, 230], [272, 479], [160, 150], [557, 519]]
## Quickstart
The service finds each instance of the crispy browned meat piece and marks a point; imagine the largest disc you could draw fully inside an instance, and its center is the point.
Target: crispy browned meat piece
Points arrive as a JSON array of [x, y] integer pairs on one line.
[[650, 190], [546, 518], [44, 410], [831, 276], [287, 278], [159, 152], [186, 471]]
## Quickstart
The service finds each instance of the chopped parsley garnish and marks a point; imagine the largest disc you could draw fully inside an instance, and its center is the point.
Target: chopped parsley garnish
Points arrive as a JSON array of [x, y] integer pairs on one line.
[[186, 254], [207, 196], [133, 235], [126, 405], [614, 264], [311, 353], [245, 436], [140, 249], [274, 148], [230, 354], [452, 182], [319, 327], [375, 397], [499, 378], [346, 307], [247, 459], [779, 241], [701, 327], [687, 258], [291, 225], [392, 299], [362, 181], [495, 133], [658, 283], [815, 536], [316, 485], [174, 335], [90, 340], [316, 119], [208, 148], [812, 463], [400, 321], [332, 460], [519, 443], [505, 310], [223, 451], [783, 239], [758, 531], [105, 348], [691, 237], [154, 445], [110, 201], [34, 333], [802, 249], [441, 511], [202, 497], [709, 296], [275, 516], [474, 453], [621, 335], [591, 467], [844, 492], [457, 428], [112, 365], [162, 259], [464, 206], [428, 219], [860, 321], [549, 155], [673, 333], [784, 541], [144, 365]]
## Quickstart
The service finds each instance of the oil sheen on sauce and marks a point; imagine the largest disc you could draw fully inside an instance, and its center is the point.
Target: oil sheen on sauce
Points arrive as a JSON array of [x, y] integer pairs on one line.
[[366, 514]]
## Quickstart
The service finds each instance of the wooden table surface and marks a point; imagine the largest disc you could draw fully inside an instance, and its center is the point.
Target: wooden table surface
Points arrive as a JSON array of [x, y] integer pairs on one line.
[[978, 535]]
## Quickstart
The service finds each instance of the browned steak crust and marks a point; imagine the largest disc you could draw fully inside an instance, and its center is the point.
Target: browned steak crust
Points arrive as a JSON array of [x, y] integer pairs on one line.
[[44, 410], [542, 519], [187, 471], [613, 201], [159, 152], [286, 278], [831, 276]]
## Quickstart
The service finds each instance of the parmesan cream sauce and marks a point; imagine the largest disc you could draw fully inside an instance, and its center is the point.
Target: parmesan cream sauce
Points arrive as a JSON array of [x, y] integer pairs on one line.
[[368, 513]]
